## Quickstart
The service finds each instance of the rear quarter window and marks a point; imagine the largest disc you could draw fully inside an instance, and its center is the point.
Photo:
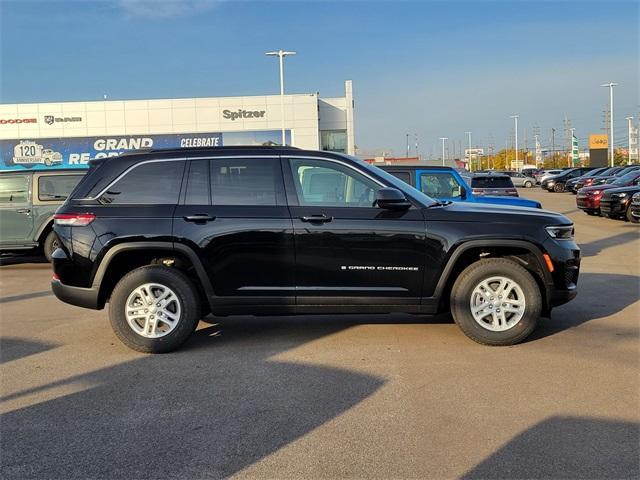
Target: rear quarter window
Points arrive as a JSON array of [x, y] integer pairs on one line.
[[491, 182], [53, 188], [153, 183]]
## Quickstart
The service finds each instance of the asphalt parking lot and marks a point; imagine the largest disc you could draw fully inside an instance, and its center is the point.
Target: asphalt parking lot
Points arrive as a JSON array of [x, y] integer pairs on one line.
[[330, 396]]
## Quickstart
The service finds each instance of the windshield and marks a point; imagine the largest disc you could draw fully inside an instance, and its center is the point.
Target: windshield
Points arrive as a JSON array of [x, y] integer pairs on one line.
[[395, 182], [491, 182], [623, 180]]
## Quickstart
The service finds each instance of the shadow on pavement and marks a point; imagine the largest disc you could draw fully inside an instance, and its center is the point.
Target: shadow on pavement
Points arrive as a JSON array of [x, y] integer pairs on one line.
[[18, 259], [591, 304], [592, 249], [15, 348], [567, 447], [209, 410]]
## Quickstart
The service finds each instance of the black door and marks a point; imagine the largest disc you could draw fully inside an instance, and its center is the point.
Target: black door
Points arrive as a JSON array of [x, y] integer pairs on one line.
[[234, 215], [348, 252]]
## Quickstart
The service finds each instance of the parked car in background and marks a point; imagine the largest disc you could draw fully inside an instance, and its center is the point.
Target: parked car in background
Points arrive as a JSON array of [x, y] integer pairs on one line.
[[556, 183], [588, 180], [588, 198], [635, 208], [446, 183], [570, 186], [531, 172], [28, 200], [613, 177], [543, 174], [519, 179], [615, 202], [493, 184]]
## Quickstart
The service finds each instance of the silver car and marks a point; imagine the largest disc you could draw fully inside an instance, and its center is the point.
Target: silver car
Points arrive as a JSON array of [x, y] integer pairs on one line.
[[520, 179]]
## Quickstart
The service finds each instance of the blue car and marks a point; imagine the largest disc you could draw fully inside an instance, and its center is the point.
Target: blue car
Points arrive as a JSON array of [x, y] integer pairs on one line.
[[445, 183]]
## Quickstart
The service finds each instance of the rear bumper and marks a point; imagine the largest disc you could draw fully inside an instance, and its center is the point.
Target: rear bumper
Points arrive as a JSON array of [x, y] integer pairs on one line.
[[78, 296]]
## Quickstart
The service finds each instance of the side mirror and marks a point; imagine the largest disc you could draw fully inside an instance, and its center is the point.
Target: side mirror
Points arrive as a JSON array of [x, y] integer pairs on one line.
[[463, 192], [391, 199]]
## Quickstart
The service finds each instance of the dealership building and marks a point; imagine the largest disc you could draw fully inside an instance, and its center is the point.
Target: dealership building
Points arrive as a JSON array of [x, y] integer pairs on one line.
[[68, 134]]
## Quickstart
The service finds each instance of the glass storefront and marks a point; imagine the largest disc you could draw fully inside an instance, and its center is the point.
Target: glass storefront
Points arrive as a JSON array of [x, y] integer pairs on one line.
[[333, 140]]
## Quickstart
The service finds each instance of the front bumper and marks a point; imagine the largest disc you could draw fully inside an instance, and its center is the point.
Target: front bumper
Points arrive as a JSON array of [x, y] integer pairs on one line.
[[591, 204], [613, 206], [562, 283]]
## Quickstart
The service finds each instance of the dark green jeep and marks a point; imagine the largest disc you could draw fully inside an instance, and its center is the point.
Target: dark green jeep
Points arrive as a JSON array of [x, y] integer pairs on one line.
[[28, 201]]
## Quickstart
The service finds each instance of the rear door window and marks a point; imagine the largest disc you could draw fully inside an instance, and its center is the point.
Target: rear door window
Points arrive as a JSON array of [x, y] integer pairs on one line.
[[53, 188], [246, 181], [491, 182], [153, 183], [14, 189]]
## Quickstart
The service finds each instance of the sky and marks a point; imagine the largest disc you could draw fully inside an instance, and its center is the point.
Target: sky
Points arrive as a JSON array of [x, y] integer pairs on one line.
[[428, 68]]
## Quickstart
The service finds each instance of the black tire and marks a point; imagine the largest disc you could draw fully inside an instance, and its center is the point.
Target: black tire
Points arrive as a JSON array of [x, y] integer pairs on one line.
[[187, 295], [630, 217], [558, 187], [528, 184], [591, 213], [50, 243], [476, 273]]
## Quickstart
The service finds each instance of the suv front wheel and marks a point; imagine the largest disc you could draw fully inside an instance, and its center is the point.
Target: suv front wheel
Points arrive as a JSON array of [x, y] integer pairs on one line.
[[154, 309], [495, 301]]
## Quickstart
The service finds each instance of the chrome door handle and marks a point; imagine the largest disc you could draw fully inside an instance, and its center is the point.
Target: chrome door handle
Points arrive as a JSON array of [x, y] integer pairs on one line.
[[316, 218], [199, 218], [24, 211]]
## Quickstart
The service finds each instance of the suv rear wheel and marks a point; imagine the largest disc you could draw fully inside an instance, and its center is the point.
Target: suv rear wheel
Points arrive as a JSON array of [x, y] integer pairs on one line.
[[154, 309], [495, 301], [50, 244]]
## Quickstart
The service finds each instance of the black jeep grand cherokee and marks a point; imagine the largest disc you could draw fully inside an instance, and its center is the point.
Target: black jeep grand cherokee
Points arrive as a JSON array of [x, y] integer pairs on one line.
[[168, 236]]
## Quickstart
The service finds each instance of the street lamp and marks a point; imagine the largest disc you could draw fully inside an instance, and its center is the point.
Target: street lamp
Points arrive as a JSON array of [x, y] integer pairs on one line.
[[443, 140], [515, 119], [281, 54], [610, 85], [470, 166], [630, 127]]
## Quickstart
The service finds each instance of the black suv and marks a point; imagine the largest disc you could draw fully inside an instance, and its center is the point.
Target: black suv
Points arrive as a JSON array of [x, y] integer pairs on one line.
[[168, 236]]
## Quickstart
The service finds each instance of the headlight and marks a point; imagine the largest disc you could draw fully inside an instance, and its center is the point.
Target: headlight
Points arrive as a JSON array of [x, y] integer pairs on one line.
[[560, 232], [619, 195]]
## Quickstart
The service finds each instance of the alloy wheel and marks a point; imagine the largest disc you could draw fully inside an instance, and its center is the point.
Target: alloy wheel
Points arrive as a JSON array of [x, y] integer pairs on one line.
[[497, 303], [153, 310]]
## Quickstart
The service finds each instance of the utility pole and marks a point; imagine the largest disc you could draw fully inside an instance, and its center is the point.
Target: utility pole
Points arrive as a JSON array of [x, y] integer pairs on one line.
[[515, 119], [417, 154], [407, 156], [610, 85], [443, 140]]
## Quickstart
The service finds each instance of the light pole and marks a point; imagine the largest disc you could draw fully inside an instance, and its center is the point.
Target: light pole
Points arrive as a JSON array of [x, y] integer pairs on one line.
[[407, 145], [470, 166], [443, 140], [281, 54], [630, 127], [610, 85], [515, 119]]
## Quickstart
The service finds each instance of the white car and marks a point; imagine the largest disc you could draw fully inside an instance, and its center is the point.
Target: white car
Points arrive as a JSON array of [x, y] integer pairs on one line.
[[28, 152]]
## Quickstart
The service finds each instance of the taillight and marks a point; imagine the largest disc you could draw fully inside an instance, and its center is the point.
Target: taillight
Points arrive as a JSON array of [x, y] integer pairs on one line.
[[73, 219], [512, 191]]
